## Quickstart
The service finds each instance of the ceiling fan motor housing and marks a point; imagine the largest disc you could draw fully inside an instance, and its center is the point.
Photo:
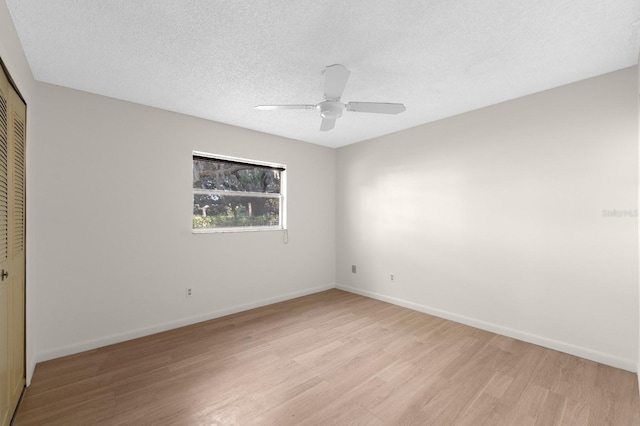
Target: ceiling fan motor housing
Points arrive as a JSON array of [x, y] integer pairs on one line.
[[330, 109]]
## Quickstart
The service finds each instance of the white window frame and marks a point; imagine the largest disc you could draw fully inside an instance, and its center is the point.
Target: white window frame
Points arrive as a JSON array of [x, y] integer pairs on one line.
[[281, 196]]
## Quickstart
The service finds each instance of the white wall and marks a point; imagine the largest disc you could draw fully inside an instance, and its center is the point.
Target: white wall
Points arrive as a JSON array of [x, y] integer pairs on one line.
[[14, 59], [494, 218], [111, 222]]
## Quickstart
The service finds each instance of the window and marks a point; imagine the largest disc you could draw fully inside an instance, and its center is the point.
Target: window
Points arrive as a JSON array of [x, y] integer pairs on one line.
[[232, 194]]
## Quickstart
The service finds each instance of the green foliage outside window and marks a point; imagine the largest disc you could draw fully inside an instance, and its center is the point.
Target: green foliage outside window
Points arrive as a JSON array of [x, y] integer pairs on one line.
[[229, 194]]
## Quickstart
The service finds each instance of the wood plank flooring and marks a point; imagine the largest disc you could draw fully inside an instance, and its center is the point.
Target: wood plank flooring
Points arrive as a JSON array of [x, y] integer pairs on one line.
[[332, 358]]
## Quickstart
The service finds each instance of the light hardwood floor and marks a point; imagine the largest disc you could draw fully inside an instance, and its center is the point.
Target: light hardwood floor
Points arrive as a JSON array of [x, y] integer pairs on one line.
[[332, 358]]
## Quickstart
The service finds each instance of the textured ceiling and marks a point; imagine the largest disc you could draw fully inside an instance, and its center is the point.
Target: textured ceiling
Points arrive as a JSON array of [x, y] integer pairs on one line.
[[218, 59]]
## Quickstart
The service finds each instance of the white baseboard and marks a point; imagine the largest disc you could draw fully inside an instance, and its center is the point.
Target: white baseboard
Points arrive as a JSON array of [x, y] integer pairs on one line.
[[158, 328], [603, 358], [31, 367]]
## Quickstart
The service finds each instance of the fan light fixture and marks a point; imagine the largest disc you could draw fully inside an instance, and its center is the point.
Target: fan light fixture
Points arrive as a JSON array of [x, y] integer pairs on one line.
[[335, 80]]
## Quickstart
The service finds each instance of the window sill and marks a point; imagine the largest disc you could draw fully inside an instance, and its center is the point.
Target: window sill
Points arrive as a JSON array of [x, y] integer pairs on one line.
[[239, 229]]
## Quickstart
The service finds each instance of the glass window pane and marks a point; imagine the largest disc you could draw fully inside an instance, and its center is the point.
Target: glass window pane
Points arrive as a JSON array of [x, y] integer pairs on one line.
[[231, 211], [209, 173]]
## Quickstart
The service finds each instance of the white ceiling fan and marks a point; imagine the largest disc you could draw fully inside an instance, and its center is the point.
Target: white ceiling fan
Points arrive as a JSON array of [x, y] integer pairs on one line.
[[335, 80]]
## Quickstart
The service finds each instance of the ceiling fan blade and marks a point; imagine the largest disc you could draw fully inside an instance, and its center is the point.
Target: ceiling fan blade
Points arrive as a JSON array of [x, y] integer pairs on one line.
[[376, 107], [327, 124], [335, 80], [274, 107]]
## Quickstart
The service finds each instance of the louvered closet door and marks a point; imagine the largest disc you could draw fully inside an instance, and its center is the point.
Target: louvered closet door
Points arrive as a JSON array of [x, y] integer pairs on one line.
[[16, 255], [5, 407], [12, 254]]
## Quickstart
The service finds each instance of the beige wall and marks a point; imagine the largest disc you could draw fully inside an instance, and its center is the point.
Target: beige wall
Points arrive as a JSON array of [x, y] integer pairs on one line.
[[495, 218], [111, 212]]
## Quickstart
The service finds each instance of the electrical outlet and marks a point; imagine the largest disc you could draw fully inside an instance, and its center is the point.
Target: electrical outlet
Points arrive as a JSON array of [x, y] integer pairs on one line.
[[392, 277], [353, 269], [189, 292]]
